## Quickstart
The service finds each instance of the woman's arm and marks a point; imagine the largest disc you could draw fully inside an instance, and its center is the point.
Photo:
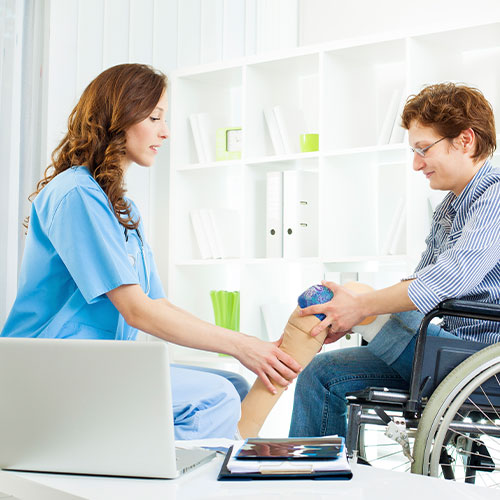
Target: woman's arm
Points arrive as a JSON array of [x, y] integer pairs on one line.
[[164, 320]]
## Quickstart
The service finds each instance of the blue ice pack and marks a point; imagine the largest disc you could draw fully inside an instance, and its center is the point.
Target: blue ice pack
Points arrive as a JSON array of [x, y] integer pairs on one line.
[[316, 294]]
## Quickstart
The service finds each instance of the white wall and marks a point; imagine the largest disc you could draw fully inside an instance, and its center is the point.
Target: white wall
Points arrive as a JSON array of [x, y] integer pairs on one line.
[[326, 20], [83, 37]]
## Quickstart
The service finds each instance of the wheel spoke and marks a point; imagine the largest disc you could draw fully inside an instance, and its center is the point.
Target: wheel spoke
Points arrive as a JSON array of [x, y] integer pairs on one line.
[[480, 410], [387, 455], [489, 401]]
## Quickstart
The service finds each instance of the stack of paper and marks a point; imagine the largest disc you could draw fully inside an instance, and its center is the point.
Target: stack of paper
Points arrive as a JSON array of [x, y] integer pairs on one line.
[[217, 232], [337, 467]]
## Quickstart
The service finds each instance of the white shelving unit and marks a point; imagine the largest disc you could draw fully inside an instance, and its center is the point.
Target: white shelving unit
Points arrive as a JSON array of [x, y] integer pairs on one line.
[[344, 89]]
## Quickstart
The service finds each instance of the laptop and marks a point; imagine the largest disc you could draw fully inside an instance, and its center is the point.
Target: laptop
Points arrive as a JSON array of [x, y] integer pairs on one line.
[[99, 407]]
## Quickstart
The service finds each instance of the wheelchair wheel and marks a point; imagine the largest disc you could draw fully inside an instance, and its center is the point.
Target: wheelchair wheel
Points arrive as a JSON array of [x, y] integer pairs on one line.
[[458, 435]]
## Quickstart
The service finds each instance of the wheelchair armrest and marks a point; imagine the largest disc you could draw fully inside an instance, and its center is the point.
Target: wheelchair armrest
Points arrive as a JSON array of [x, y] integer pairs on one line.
[[449, 307], [467, 309]]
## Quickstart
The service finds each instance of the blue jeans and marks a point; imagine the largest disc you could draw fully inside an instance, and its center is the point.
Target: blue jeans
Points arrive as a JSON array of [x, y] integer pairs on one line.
[[320, 404]]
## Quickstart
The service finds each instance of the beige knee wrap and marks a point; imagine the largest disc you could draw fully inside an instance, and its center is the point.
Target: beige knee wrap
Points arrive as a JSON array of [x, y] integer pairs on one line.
[[298, 343], [302, 347]]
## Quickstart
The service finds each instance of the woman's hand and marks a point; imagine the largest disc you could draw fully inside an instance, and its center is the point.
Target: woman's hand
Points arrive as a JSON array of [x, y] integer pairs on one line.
[[342, 312], [267, 361], [333, 336]]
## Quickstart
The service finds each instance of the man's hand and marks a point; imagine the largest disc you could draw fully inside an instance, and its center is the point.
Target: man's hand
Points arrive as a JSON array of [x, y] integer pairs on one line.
[[342, 312]]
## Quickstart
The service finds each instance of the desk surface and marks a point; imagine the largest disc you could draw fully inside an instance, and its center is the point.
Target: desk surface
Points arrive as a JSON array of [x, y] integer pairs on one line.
[[368, 483]]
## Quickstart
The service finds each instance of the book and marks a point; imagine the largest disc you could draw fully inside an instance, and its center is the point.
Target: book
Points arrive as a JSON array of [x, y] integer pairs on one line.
[[196, 131], [291, 123], [226, 227], [398, 132], [200, 235], [207, 135], [389, 118], [274, 131], [209, 229]]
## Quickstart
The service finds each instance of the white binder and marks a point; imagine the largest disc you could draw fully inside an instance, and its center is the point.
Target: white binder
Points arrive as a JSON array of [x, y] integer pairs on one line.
[[300, 214], [274, 214]]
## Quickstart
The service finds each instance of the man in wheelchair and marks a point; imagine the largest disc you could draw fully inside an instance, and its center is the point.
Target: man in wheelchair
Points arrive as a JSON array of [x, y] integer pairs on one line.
[[452, 136]]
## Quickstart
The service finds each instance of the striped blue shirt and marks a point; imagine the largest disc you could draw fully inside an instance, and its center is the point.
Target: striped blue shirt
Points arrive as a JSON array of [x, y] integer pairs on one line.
[[462, 255]]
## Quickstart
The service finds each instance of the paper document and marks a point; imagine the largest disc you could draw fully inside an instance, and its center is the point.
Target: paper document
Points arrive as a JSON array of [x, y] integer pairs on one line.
[[277, 466]]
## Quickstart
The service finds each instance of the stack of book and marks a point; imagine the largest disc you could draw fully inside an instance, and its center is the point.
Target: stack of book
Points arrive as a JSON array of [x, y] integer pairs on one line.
[[203, 136], [285, 125], [289, 458], [391, 131], [217, 232]]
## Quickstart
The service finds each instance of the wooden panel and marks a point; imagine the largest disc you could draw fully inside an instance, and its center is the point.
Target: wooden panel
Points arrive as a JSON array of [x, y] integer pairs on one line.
[[116, 32], [141, 31], [90, 40]]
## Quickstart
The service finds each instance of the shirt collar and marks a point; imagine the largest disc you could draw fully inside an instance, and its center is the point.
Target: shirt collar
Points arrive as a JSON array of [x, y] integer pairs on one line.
[[470, 188]]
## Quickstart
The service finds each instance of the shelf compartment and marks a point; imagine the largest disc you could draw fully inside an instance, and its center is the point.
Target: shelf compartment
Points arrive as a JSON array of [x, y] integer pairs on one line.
[[254, 239], [363, 191], [218, 94], [219, 188], [293, 83], [359, 85], [467, 55]]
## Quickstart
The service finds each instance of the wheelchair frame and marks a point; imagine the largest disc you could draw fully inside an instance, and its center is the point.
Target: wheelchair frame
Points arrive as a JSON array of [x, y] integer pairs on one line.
[[410, 403]]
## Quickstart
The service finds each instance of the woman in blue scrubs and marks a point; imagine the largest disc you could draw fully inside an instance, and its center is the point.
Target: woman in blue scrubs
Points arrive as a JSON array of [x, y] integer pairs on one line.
[[87, 271]]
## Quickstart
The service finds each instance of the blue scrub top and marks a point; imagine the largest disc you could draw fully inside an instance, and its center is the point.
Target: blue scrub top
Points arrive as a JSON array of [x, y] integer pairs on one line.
[[75, 252]]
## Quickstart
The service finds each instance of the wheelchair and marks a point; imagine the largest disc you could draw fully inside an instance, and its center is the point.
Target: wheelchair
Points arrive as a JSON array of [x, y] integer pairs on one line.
[[448, 423]]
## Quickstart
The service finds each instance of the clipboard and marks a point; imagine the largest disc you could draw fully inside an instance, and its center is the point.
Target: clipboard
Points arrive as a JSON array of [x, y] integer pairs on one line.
[[226, 475]]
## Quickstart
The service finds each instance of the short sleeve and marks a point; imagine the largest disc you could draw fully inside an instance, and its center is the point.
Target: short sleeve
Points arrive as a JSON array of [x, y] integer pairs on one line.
[[156, 291], [89, 240]]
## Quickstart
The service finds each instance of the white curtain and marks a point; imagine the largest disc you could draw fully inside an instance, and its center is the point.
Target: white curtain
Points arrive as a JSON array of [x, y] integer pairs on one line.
[[21, 91]]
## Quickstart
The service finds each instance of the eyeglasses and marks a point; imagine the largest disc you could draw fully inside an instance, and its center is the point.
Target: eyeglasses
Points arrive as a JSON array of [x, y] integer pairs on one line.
[[422, 151]]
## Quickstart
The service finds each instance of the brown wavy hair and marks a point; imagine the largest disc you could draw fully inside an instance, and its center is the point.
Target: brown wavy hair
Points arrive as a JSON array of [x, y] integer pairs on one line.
[[450, 109], [118, 98]]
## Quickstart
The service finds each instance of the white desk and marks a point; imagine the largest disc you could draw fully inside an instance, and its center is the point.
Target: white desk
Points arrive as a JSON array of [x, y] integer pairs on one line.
[[368, 483]]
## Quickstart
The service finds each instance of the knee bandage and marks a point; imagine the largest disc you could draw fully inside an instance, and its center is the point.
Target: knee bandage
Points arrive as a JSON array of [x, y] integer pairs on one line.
[[298, 343]]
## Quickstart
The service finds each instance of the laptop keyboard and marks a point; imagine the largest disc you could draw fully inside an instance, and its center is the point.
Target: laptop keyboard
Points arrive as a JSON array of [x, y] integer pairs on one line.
[[7, 496]]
